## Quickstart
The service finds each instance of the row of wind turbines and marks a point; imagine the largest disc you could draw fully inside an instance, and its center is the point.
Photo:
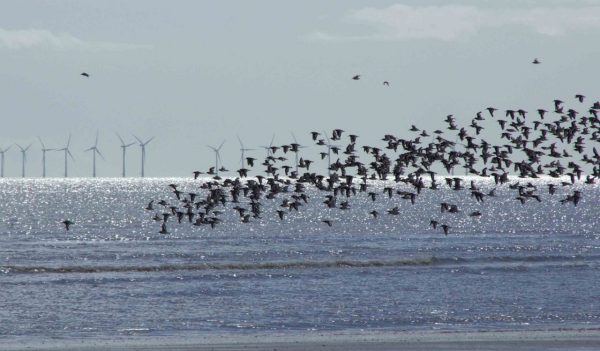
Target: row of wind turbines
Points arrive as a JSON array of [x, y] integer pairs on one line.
[[295, 147], [67, 154]]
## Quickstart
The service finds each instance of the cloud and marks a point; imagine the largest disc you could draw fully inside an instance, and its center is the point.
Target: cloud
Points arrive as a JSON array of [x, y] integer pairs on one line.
[[452, 22], [39, 38]]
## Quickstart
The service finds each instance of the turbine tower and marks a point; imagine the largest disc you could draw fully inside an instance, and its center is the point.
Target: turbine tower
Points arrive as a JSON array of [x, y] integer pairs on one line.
[[124, 147], [23, 158], [67, 153], [94, 149], [44, 149], [243, 150], [217, 158], [2, 152], [143, 146], [295, 148]]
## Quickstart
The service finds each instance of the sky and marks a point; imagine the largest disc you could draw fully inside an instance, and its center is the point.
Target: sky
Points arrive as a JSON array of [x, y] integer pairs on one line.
[[197, 73]]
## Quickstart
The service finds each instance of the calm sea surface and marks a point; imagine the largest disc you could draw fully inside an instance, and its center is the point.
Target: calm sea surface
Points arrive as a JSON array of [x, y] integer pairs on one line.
[[518, 266]]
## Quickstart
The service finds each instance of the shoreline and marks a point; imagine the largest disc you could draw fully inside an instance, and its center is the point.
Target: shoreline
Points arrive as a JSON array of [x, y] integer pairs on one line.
[[563, 339]]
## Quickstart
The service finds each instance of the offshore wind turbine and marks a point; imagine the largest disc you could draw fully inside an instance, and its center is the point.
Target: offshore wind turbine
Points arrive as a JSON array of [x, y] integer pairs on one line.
[[143, 146], [124, 147], [295, 148], [67, 153], [44, 149], [94, 149], [243, 150], [2, 152], [329, 147], [23, 158], [217, 151]]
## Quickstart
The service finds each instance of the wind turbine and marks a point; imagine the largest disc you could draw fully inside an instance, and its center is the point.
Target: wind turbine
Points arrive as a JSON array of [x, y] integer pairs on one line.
[[268, 148], [243, 150], [295, 147], [94, 149], [217, 158], [124, 147], [23, 158], [329, 147], [67, 152], [143, 146], [44, 149], [2, 151]]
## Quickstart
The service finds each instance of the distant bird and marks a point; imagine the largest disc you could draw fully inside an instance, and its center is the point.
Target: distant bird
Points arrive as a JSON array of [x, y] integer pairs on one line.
[[356, 77], [163, 228], [386, 83], [445, 227], [280, 213], [85, 74], [67, 224], [327, 221], [433, 223], [536, 61]]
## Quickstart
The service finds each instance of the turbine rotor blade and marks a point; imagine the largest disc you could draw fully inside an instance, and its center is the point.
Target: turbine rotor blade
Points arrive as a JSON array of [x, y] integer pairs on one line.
[[99, 153], [122, 142]]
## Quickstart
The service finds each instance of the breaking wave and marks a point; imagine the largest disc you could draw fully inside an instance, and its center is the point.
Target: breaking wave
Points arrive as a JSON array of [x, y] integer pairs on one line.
[[249, 266]]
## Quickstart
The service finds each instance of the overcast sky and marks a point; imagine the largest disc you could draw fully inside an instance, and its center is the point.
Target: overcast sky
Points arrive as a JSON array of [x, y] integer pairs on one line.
[[193, 73]]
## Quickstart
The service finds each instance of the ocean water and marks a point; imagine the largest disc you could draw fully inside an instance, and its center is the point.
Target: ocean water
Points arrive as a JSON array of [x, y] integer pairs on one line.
[[518, 266]]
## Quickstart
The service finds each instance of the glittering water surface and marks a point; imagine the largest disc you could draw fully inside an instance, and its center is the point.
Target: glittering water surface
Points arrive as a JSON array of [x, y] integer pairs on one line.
[[517, 266]]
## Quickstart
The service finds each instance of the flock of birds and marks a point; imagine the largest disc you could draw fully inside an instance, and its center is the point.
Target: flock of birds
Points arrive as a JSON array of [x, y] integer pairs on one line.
[[551, 143]]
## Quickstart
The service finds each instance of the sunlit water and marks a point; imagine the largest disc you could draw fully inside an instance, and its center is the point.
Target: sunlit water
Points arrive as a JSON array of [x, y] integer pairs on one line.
[[517, 266]]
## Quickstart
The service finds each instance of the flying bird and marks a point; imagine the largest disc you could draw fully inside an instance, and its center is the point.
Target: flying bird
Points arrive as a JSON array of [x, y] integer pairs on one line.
[[85, 74], [536, 61], [67, 224], [386, 83], [356, 77]]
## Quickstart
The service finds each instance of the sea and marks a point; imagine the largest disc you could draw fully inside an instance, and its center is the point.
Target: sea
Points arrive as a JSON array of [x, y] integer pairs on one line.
[[530, 266]]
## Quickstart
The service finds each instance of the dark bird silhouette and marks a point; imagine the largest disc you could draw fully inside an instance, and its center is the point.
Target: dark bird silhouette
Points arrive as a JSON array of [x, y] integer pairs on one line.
[[386, 83], [67, 224], [536, 62], [356, 77], [433, 223], [85, 74], [327, 221], [163, 228]]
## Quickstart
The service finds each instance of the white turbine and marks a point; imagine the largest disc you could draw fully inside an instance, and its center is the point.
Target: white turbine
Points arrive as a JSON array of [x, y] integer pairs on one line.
[[44, 149], [217, 158], [23, 158], [2, 152], [329, 147], [295, 148], [67, 153], [124, 147], [243, 150], [143, 146], [94, 149]]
